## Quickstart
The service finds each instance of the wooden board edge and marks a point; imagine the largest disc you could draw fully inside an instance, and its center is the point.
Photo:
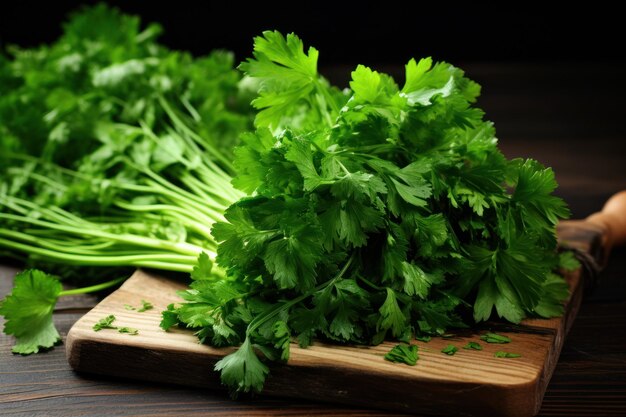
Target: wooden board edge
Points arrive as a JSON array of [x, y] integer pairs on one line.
[[325, 383], [567, 321], [195, 370], [338, 386]]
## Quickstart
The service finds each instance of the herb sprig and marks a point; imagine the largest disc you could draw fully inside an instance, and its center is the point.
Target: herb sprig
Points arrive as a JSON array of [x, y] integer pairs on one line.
[[402, 188]]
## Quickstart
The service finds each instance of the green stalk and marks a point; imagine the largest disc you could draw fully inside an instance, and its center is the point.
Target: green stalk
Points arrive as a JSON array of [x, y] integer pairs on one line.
[[180, 247], [93, 288], [190, 217], [210, 149], [147, 259], [260, 320]]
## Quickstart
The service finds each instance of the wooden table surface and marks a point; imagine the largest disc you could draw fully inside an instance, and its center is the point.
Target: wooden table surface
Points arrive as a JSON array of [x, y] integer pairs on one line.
[[570, 117]]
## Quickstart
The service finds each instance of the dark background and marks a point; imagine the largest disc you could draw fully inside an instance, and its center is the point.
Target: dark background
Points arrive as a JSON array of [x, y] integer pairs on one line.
[[370, 33], [552, 79]]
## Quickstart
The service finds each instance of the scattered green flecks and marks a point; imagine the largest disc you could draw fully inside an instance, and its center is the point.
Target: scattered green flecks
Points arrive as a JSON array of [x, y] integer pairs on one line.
[[403, 354], [424, 339], [502, 354], [107, 323], [473, 346], [128, 330], [146, 305], [450, 350], [495, 338]]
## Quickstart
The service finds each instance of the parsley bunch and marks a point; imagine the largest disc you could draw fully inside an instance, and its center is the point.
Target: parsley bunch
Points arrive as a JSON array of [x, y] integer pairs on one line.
[[378, 212], [115, 153]]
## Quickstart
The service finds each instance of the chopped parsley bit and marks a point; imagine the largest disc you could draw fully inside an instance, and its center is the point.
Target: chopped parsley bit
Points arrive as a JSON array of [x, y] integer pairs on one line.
[[502, 354], [449, 350], [473, 346], [146, 305], [128, 330], [403, 354], [424, 339], [495, 338], [105, 323]]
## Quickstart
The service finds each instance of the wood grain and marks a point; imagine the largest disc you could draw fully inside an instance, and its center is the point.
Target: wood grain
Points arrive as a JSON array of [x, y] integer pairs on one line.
[[440, 384]]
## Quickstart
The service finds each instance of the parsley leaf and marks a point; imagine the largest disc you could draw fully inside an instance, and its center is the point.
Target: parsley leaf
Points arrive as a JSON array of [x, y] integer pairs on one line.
[[391, 316], [473, 346], [128, 330], [145, 306], [28, 311], [242, 370], [403, 354], [450, 350], [568, 261], [105, 323], [502, 354], [495, 338]]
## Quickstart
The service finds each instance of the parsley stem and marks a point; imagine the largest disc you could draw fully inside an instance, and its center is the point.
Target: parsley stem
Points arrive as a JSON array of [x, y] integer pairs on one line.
[[205, 143], [182, 248], [260, 320], [369, 283], [93, 288], [329, 99]]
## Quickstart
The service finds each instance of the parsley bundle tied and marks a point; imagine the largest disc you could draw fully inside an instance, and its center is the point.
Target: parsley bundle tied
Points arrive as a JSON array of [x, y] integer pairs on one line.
[[378, 212]]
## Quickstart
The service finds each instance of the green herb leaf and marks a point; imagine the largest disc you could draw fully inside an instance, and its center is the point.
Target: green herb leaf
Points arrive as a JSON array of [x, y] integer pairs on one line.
[[502, 354], [495, 338], [473, 346], [128, 330], [403, 354], [242, 371], [450, 350], [145, 306], [28, 311], [568, 261], [105, 323]]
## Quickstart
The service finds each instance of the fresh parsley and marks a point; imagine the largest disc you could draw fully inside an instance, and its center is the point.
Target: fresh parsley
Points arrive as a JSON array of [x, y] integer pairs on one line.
[[105, 323], [28, 311], [450, 350], [473, 346], [502, 354], [377, 212], [145, 306], [128, 330], [495, 338], [403, 354], [116, 154]]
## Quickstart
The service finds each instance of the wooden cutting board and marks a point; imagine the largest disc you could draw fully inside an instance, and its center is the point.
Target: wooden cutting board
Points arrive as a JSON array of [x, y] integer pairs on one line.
[[471, 383]]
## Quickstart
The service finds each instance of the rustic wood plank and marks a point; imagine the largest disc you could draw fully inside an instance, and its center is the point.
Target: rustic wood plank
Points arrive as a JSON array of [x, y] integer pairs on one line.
[[439, 384]]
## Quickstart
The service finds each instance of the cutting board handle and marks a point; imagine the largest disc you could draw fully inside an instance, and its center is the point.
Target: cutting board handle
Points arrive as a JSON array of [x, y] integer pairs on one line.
[[612, 221]]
